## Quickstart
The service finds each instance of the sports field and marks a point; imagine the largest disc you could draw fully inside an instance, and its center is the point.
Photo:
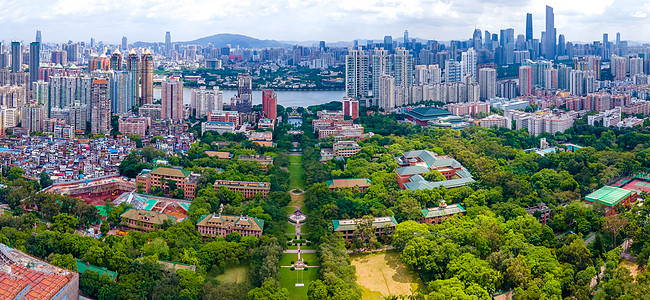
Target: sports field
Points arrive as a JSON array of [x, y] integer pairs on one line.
[[383, 274], [236, 274], [638, 185]]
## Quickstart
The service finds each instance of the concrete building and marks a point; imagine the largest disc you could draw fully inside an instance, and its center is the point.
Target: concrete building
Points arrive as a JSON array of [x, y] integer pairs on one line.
[[414, 164], [247, 188], [386, 95], [438, 215], [216, 126], [525, 80], [382, 225], [205, 100], [146, 78], [213, 225], [132, 125], [270, 104], [469, 108], [172, 100], [160, 176], [495, 120], [100, 106], [356, 73], [351, 107], [382, 65], [487, 80], [346, 148]]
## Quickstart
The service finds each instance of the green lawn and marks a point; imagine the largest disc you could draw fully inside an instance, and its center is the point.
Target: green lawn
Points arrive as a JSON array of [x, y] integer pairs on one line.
[[290, 229], [288, 280], [311, 258], [236, 274], [296, 180]]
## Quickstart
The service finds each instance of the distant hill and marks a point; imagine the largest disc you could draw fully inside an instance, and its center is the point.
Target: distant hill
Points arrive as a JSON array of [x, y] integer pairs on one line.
[[224, 39]]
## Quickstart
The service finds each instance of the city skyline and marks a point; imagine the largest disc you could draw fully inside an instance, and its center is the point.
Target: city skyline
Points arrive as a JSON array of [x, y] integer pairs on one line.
[[330, 21]]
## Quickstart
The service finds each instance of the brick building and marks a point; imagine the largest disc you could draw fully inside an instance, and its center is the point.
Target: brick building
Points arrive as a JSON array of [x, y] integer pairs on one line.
[[247, 188], [144, 220], [160, 176], [544, 212], [437, 215], [213, 225]]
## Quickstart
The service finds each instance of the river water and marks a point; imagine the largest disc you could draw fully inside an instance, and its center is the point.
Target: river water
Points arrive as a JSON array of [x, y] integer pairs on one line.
[[285, 98]]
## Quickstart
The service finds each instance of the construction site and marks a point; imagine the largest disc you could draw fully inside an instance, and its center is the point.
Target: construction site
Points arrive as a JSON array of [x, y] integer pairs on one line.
[[95, 191], [173, 207]]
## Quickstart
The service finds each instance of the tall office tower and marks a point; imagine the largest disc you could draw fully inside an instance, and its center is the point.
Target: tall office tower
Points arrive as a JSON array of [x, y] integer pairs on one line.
[[146, 78], [125, 44], [356, 73], [488, 40], [453, 71], [403, 67], [550, 41], [133, 67], [38, 37], [244, 93], [121, 92], [406, 40], [168, 44], [386, 92], [270, 104], [561, 45], [469, 62], [388, 43], [577, 83], [618, 38], [477, 43], [487, 80], [100, 107], [529, 27], [382, 64], [72, 51], [116, 60], [636, 66], [92, 43], [205, 100], [618, 65], [525, 80], [172, 100], [351, 107], [563, 75], [34, 60], [16, 58], [321, 45]]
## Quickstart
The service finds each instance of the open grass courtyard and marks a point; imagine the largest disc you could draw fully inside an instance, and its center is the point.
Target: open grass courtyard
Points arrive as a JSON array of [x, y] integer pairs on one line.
[[235, 274], [297, 174]]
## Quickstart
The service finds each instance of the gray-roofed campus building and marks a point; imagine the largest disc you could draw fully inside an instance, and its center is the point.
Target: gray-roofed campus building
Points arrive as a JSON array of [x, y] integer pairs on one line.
[[414, 164], [382, 225]]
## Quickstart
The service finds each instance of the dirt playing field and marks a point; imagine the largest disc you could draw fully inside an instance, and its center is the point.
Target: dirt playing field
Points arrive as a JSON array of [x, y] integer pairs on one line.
[[382, 274], [630, 265]]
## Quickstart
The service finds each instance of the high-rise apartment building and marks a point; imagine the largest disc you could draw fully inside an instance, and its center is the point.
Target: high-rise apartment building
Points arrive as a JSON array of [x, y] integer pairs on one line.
[[133, 67], [125, 44], [453, 71], [172, 100], [16, 57], [146, 78], [550, 35], [382, 64], [430, 74], [205, 100], [618, 65], [59, 57], [487, 80], [403, 67], [72, 52], [525, 80], [270, 104], [469, 62], [116, 60], [100, 114], [34, 61], [386, 92], [356, 73], [121, 92], [244, 93]]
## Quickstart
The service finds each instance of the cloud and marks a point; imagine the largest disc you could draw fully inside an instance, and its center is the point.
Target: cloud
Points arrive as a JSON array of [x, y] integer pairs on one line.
[[331, 20]]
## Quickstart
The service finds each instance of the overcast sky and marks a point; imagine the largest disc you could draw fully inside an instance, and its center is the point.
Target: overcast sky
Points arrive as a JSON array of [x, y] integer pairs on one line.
[[329, 20]]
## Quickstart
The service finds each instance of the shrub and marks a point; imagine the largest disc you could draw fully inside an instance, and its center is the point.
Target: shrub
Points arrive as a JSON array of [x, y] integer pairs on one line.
[[292, 268]]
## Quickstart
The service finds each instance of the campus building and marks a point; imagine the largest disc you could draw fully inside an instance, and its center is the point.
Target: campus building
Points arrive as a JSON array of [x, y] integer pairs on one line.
[[382, 225], [414, 164], [437, 215], [247, 188], [265, 161], [361, 183], [540, 211], [346, 148], [160, 176], [145, 220], [213, 225], [611, 197]]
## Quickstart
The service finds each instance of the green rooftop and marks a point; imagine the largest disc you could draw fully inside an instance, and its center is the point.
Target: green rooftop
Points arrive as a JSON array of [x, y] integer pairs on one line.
[[82, 267], [608, 195], [101, 210]]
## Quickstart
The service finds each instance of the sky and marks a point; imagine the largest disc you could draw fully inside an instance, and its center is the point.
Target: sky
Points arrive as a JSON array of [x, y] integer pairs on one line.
[[312, 20]]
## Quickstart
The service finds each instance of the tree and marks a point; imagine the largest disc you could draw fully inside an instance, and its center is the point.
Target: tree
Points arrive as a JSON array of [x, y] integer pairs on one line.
[[190, 284], [269, 290], [65, 261], [406, 231], [15, 173], [45, 180], [614, 224], [104, 228], [65, 223]]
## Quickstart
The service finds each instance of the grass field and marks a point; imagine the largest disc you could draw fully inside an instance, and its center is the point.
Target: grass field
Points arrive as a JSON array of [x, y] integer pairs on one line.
[[236, 274], [289, 278], [382, 274], [297, 175], [310, 258], [290, 229]]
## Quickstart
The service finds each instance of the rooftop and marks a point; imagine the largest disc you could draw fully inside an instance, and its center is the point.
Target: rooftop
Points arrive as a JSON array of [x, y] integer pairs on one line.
[[175, 172], [351, 224], [441, 211], [608, 195], [219, 220], [349, 183]]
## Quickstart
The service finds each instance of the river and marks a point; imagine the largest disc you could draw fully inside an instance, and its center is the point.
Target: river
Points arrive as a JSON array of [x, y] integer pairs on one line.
[[285, 98]]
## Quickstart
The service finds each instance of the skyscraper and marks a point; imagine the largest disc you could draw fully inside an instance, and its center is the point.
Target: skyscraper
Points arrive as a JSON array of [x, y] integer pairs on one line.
[[125, 45], [477, 39], [244, 93], [406, 39], [121, 91], [146, 77], [382, 64], [270, 104], [550, 42], [525, 80], [133, 67], [469, 62], [172, 100], [386, 92], [529, 27], [453, 71], [168, 44], [561, 45], [100, 107], [116, 60], [16, 58], [403, 68], [356, 73], [38, 37], [487, 80], [618, 38], [34, 61], [388, 43]]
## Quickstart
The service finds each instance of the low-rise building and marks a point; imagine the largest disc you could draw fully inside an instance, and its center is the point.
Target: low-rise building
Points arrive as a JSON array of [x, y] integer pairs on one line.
[[224, 116], [266, 124], [495, 120], [346, 148], [132, 125], [145, 220], [611, 197], [160, 177], [247, 188], [414, 164], [437, 215], [361, 183], [382, 225], [541, 212], [220, 127], [220, 154], [265, 161], [264, 138], [213, 225]]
